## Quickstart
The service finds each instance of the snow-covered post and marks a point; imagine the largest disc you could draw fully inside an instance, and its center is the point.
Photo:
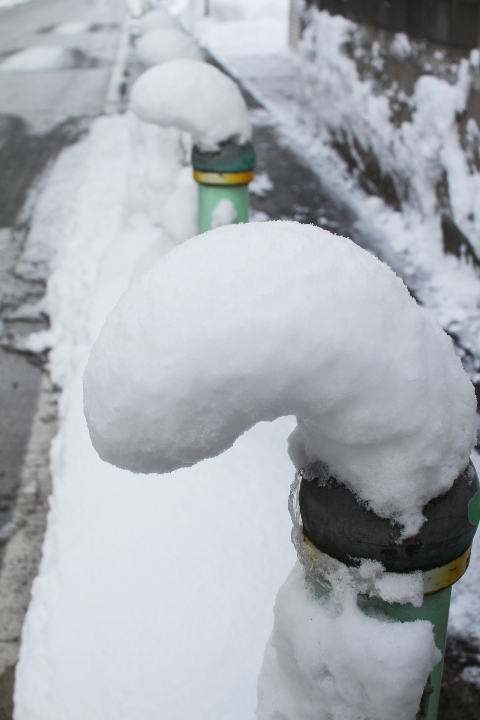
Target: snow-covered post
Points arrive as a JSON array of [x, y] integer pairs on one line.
[[198, 98], [223, 178], [253, 322], [440, 551]]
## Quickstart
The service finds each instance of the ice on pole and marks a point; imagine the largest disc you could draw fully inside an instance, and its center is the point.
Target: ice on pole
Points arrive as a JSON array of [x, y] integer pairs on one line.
[[253, 322]]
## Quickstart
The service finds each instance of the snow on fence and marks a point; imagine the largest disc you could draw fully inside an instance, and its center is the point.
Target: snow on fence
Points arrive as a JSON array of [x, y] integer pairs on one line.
[[204, 102]]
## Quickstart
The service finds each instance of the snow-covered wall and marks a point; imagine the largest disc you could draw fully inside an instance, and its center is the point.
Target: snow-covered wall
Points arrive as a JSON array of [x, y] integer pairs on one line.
[[400, 117]]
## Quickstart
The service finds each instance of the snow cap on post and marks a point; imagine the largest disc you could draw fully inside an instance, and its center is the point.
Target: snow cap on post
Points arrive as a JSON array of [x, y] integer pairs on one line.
[[163, 44], [252, 322], [160, 17], [195, 97]]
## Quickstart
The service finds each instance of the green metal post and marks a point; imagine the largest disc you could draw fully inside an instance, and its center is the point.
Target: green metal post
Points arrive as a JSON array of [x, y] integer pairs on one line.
[[335, 524], [223, 175], [435, 608]]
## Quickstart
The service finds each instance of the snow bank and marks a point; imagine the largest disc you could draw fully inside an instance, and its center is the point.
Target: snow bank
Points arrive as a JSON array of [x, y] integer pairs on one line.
[[179, 216], [71, 28], [327, 659], [223, 214], [128, 601], [37, 58], [245, 27], [258, 321], [162, 44], [195, 97]]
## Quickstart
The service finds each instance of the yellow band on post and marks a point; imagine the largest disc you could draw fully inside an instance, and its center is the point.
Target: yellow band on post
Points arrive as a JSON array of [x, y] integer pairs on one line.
[[433, 580], [211, 178], [442, 577]]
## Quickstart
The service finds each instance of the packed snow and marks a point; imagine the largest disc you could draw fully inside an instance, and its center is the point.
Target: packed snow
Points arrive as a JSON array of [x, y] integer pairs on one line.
[[251, 28], [162, 44], [261, 184], [326, 659], [283, 319], [194, 97], [223, 214], [128, 602]]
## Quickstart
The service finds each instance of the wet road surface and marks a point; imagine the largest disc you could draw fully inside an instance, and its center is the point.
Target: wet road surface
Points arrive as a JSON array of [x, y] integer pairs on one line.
[[56, 60]]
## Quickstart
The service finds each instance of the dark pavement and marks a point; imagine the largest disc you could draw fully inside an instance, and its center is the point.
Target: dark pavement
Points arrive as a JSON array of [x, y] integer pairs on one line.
[[41, 112]]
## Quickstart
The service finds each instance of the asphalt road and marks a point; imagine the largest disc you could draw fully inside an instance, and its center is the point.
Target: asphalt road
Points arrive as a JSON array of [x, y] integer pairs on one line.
[[42, 110], [57, 58]]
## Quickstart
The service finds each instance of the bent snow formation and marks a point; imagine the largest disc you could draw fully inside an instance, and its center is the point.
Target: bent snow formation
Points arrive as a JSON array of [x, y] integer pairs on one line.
[[195, 97], [162, 44], [252, 322]]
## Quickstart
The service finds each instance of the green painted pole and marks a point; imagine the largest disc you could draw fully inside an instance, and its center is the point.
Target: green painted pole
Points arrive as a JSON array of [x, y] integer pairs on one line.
[[435, 608], [223, 176], [335, 524]]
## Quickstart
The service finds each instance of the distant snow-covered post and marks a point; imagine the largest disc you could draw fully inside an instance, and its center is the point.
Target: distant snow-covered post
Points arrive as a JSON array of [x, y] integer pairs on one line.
[[254, 322], [295, 25], [198, 98], [223, 178]]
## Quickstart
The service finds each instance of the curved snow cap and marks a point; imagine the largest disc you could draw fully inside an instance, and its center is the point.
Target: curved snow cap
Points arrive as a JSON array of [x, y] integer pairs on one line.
[[163, 44], [160, 17], [252, 322], [195, 97]]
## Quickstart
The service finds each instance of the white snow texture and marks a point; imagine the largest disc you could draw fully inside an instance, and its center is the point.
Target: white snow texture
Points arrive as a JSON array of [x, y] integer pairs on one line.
[[160, 17], [223, 214], [195, 97], [36, 58], [327, 660], [162, 44], [254, 322]]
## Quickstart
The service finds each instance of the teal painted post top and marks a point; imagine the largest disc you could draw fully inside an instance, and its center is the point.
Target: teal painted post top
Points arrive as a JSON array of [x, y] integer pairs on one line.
[[223, 178]]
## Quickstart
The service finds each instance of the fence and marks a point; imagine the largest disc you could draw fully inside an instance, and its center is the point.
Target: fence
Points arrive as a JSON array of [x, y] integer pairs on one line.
[[452, 22]]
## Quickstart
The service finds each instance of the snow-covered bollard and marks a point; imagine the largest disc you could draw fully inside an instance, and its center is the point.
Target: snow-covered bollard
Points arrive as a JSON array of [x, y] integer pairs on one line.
[[330, 522], [223, 178], [162, 44], [252, 322], [157, 18], [198, 98]]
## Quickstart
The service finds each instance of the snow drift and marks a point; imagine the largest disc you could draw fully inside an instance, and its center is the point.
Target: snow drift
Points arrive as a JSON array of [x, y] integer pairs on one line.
[[253, 322], [328, 660], [195, 97], [160, 17]]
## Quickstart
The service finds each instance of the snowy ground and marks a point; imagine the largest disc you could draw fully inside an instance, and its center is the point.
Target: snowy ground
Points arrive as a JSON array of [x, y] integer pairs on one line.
[[190, 563], [155, 593]]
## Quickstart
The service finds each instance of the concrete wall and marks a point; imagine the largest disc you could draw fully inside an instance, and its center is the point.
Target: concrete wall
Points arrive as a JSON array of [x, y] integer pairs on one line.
[[450, 22]]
